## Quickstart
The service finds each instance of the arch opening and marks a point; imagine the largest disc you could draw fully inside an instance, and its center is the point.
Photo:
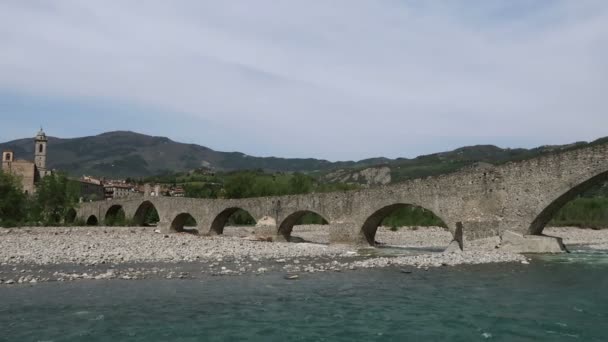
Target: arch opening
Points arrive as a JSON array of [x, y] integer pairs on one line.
[[146, 215], [304, 226], [115, 216], [399, 224], [584, 205], [70, 216], [92, 221], [184, 223], [235, 218]]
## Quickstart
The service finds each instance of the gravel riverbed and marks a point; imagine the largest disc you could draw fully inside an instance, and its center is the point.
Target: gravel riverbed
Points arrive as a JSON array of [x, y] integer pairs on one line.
[[594, 239], [31, 255]]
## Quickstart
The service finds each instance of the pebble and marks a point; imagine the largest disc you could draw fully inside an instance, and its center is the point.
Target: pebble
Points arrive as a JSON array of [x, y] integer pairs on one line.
[[119, 246], [80, 245]]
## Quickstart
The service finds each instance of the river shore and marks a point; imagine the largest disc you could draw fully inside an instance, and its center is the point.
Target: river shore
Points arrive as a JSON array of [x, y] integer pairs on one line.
[[31, 255]]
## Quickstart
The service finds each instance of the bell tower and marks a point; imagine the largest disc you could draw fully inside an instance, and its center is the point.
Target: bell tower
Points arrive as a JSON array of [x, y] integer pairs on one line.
[[40, 153], [7, 160]]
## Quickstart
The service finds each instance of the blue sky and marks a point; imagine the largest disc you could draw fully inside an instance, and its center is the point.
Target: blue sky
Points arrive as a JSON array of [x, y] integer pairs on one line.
[[344, 79]]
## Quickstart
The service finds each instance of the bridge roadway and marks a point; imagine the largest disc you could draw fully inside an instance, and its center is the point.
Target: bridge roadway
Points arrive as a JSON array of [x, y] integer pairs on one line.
[[483, 201]]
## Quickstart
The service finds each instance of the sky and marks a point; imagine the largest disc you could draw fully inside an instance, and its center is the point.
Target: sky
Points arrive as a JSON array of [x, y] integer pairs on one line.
[[338, 80]]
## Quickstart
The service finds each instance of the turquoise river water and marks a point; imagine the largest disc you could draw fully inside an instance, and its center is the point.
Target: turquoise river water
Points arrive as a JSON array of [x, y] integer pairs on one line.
[[555, 298]]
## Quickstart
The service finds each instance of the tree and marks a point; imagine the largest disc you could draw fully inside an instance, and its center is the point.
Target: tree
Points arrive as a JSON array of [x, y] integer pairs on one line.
[[300, 184], [200, 190], [241, 218], [151, 217], [239, 185], [53, 199], [13, 201]]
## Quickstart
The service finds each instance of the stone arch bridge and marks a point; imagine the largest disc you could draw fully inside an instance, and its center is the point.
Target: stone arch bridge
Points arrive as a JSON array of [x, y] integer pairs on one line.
[[483, 201]]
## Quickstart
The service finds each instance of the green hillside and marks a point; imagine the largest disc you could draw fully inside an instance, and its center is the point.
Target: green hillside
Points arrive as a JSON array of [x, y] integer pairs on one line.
[[127, 154]]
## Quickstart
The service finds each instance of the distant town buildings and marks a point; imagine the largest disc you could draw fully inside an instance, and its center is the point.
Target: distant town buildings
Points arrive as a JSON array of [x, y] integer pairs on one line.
[[90, 188], [29, 172], [118, 190], [177, 192], [106, 189]]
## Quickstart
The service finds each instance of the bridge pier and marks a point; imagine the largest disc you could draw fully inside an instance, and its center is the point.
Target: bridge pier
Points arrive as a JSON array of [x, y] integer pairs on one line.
[[519, 243], [346, 233], [164, 226], [268, 231], [479, 229]]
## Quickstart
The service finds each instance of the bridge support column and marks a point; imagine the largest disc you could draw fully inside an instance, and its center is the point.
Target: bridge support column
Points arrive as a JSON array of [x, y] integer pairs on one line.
[[519, 243], [268, 231], [346, 233], [473, 230], [164, 226]]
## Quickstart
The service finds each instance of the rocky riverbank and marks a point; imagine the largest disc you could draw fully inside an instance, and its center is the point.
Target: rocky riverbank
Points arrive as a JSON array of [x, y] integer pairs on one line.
[[594, 239], [30, 255]]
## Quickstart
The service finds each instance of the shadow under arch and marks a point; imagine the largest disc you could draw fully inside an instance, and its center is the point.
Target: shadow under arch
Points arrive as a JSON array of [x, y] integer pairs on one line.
[[184, 220], [541, 220], [371, 224], [70, 216], [113, 212], [92, 221], [286, 226], [146, 214], [220, 221]]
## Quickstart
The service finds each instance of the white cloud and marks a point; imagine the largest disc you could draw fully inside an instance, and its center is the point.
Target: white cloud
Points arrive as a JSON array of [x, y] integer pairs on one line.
[[340, 79]]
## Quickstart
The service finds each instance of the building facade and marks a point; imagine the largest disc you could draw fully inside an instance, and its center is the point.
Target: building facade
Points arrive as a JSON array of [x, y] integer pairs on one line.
[[90, 191], [117, 190]]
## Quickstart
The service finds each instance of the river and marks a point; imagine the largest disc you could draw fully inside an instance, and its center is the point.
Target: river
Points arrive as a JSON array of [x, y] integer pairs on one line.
[[555, 298]]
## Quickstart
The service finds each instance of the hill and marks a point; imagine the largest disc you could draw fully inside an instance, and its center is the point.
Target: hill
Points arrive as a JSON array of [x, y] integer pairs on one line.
[[129, 154], [402, 169]]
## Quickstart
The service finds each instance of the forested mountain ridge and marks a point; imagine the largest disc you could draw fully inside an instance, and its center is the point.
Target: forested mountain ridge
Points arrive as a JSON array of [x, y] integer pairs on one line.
[[128, 154]]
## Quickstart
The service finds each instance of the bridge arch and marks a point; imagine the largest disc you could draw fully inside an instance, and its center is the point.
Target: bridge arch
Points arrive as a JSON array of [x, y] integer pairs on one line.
[[70, 216], [220, 221], [286, 226], [92, 221], [547, 213], [144, 211], [182, 220], [371, 224], [115, 213]]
